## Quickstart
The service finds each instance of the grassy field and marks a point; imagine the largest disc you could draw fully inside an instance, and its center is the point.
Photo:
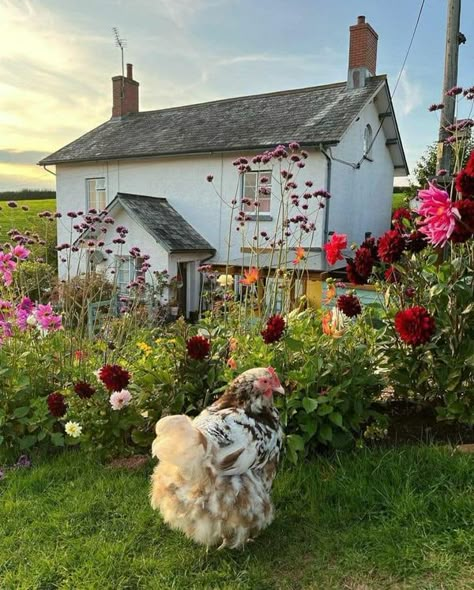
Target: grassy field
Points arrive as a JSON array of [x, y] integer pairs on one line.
[[370, 520], [27, 220]]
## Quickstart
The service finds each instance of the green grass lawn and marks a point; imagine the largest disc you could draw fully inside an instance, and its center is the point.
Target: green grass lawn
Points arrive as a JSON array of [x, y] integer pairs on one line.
[[23, 220], [373, 519]]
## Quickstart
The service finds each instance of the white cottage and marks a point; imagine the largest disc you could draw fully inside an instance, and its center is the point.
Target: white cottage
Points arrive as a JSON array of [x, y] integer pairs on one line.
[[149, 168]]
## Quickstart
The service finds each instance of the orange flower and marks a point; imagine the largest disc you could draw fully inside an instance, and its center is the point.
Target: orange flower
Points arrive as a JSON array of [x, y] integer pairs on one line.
[[232, 364], [251, 276], [333, 323], [300, 255], [330, 293]]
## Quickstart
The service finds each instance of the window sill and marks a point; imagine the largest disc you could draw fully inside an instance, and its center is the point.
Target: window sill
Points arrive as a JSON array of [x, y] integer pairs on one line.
[[261, 217]]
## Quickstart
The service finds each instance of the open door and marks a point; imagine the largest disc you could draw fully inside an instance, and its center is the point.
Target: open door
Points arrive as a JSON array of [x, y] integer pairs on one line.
[[182, 273]]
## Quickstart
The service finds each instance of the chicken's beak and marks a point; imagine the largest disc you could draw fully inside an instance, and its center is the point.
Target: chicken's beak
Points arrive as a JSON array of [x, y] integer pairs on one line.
[[279, 389]]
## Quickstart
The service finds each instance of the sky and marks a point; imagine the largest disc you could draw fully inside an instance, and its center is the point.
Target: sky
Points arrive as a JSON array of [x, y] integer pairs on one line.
[[57, 58]]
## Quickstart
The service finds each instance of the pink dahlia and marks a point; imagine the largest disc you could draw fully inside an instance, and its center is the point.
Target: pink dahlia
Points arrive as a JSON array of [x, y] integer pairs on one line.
[[439, 215]]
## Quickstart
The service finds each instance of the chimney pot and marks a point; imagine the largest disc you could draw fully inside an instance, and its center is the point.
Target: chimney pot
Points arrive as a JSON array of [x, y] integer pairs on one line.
[[360, 20], [124, 94]]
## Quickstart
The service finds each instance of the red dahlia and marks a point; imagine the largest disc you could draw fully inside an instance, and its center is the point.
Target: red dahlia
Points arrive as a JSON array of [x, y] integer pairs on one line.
[[349, 305], [415, 325], [353, 276], [392, 275], [114, 377], [84, 390], [416, 241], [56, 404], [464, 228], [390, 246], [371, 244], [398, 216], [465, 183], [274, 330], [198, 347], [364, 262]]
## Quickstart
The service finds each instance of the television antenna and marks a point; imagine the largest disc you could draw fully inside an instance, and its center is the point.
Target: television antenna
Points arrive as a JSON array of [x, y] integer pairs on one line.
[[121, 43]]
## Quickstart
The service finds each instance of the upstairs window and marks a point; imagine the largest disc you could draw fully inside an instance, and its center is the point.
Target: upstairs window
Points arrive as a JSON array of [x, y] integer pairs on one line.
[[257, 188], [96, 193]]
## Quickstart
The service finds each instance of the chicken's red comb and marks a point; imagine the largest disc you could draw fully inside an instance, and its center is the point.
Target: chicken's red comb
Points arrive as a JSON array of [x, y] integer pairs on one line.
[[272, 372]]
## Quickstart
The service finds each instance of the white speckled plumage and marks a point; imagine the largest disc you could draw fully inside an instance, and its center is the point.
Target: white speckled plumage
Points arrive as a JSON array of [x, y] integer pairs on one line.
[[215, 472]]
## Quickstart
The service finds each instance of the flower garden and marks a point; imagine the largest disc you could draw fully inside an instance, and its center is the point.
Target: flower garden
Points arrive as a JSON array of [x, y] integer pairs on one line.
[[100, 385]]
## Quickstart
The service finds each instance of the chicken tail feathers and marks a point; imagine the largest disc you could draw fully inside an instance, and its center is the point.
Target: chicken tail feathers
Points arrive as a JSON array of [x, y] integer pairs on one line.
[[178, 442]]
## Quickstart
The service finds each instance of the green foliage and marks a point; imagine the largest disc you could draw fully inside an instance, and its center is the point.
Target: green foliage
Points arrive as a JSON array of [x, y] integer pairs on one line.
[[442, 371]]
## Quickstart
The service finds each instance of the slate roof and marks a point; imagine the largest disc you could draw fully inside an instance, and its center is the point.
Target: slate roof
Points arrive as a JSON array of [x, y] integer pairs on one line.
[[162, 222], [319, 114]]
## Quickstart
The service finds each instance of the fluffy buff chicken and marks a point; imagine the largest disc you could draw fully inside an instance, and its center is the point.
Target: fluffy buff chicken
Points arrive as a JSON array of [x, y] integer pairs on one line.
[[215, 472]]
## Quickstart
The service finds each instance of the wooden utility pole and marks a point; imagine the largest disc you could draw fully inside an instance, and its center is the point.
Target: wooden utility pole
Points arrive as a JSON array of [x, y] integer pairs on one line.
[[450, 80]]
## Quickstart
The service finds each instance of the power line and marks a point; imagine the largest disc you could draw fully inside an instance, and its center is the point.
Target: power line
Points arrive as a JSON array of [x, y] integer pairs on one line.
[[415, 28]]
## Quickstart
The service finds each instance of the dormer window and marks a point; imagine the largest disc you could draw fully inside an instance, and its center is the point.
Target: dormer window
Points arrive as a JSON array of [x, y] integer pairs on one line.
[[96, 197]]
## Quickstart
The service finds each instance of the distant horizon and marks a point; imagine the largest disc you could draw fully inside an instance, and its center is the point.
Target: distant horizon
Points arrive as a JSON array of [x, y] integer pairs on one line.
[[58, 61]]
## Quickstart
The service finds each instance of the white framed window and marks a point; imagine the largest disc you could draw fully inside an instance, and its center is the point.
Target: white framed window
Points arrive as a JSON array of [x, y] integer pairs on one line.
[[127, 269], [368, 141], [96, 195], [256, 191]]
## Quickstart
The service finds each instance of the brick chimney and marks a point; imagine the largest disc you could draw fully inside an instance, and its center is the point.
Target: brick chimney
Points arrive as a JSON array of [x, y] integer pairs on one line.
[[124, 94], [362, 53]]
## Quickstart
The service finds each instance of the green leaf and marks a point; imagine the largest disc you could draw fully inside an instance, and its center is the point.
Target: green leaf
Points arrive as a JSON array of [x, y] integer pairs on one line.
[[310, 404], [27, 441], [336, 418], [325, 432], [21, 412], [295, 442], [57, 438], [293, 344], [324, 410]]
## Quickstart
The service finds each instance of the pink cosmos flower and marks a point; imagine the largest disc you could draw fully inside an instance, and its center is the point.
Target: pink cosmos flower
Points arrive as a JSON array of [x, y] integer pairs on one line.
[[21, 252], [7, 266], [120, 399], [47, 319], [439, 215]]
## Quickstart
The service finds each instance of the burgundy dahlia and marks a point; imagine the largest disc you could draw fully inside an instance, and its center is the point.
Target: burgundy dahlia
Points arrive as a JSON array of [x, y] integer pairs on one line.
[[464, 228], [349, 305], [353, 276], [371, 245], [274, 329], [392, 275], [114, 377], [390, 246], [415, 325], [198, 347], [364, 261], [416, 241], [84, 390], [465, 183], [56, 404]]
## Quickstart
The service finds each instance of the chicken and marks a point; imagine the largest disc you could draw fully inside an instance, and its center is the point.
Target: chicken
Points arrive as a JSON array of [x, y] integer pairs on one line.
[[215, 472]]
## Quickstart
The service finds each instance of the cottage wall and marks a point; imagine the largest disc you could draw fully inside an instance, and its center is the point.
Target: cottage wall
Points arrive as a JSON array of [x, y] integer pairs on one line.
[[362, 198]]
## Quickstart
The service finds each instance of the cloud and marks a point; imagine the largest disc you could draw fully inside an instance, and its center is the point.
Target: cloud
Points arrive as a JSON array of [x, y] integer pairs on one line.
[[21, 157], [408, 96], [181, 12], [18, 176]]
